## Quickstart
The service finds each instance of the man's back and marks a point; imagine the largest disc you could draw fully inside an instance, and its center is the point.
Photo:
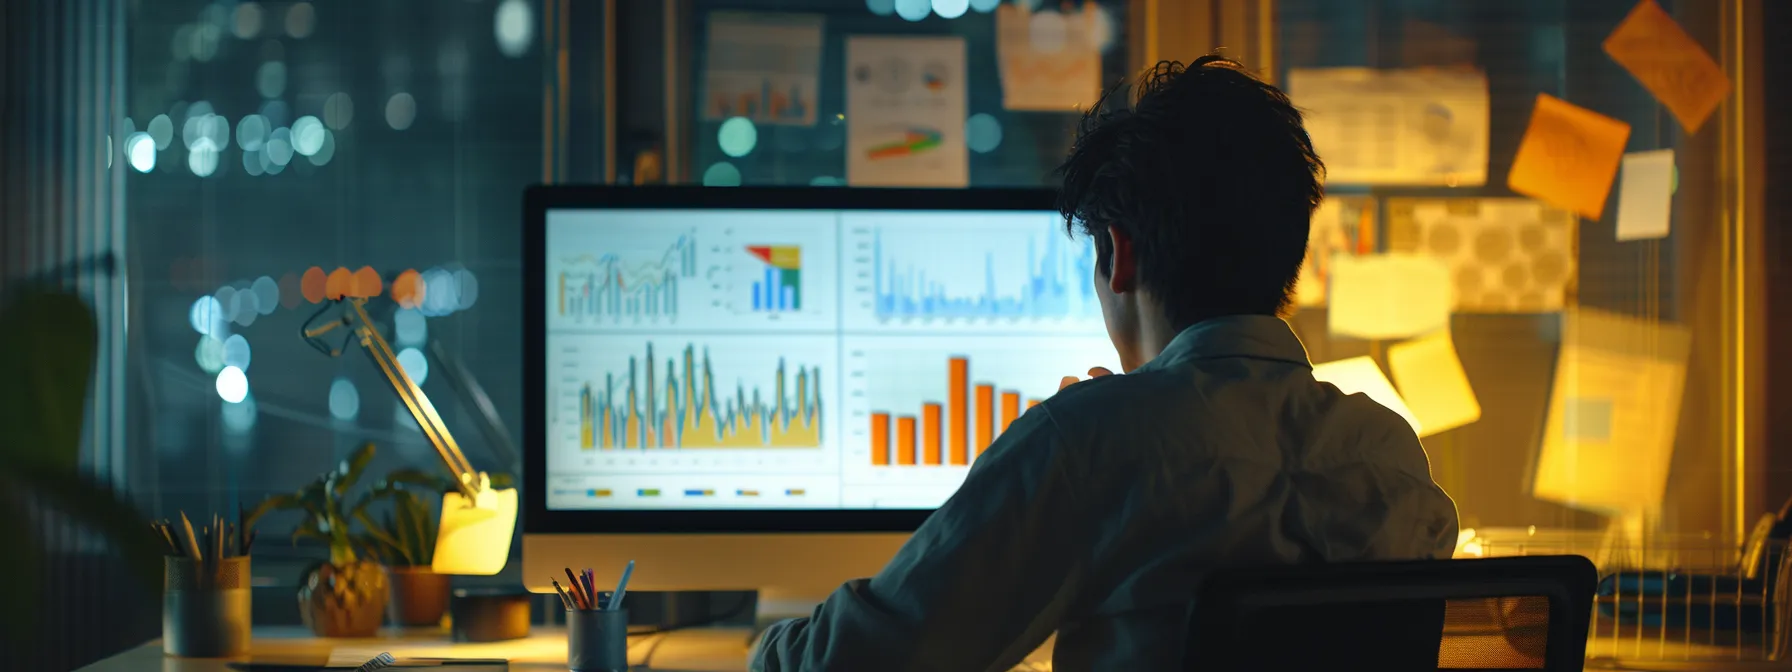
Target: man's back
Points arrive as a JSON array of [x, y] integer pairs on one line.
[[1225, 451], [1098, 513]]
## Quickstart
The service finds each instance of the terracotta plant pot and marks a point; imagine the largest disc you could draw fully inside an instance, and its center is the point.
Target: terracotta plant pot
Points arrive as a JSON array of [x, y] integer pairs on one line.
[[419, 596], [345, 601]]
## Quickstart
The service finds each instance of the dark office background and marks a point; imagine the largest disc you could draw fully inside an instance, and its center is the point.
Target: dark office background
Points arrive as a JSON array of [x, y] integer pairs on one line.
[[399, 134]]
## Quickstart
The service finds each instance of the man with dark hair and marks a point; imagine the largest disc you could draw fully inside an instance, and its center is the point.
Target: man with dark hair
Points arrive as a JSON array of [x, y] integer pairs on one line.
[[1097, 513]]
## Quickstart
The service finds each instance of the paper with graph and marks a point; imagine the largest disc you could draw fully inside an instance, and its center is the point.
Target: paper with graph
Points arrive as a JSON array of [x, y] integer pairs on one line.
[[905, 112]]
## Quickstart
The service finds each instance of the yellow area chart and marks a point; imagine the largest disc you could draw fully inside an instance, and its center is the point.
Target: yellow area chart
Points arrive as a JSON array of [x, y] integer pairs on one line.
[[681, 410]]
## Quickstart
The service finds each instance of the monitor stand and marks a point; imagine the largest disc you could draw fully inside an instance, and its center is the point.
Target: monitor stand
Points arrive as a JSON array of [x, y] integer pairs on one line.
[[776, 604]]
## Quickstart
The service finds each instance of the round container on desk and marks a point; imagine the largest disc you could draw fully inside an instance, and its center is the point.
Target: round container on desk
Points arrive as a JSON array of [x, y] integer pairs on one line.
[[205, 609], [597, 640]]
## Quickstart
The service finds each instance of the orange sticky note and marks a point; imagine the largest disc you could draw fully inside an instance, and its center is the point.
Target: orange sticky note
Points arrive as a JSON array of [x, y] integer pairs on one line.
[[1569, 156], [1669, 63]]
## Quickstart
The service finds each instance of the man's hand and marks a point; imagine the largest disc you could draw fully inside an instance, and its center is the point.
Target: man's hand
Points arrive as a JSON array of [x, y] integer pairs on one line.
[[1096, 372]]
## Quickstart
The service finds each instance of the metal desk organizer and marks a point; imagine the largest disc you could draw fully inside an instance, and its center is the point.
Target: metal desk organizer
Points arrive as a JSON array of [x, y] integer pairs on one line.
[[205, 607]]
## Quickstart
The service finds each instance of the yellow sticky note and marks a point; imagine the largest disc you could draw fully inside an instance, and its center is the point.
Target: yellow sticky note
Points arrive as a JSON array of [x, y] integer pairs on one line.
[[1669, 63], [1614, 408], [1361, 375], [1383, 296], [1431, 380], [1569, 156]]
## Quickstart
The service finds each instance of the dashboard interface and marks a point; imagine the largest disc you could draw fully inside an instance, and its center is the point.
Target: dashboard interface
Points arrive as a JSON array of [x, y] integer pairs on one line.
[[800, 359]]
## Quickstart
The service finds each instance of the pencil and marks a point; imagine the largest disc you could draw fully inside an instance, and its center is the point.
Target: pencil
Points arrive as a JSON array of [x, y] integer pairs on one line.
[[577, 597], [590, 591], [191, 541], [564, 600]]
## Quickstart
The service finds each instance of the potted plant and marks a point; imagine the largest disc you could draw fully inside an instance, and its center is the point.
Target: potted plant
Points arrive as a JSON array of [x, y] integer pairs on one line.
[[345, 596], [404, 539], [48, 339]]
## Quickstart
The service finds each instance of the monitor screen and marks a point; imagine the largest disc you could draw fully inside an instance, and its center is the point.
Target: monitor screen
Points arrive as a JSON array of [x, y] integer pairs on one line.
[[800, 359]]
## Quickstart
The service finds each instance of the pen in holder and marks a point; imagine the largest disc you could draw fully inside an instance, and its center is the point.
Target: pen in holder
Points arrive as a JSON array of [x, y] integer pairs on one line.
[[597, 640], [205, 607]]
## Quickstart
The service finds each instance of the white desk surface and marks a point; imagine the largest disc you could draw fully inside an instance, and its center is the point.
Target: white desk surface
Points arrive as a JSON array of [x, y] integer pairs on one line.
[[695, 650]]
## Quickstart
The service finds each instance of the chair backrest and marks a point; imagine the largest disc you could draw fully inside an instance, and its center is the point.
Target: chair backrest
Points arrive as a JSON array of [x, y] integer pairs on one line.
[[1520, 613]]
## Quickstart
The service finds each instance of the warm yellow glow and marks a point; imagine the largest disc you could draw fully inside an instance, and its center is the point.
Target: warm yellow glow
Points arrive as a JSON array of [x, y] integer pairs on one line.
[[1362, 374], [474, 537]]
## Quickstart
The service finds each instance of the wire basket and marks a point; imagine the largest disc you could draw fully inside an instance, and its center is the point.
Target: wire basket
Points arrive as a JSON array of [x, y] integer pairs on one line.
[[1671, 597]]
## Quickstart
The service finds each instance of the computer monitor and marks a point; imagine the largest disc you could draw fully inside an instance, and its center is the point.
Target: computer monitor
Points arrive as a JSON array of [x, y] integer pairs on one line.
[[770, 388]]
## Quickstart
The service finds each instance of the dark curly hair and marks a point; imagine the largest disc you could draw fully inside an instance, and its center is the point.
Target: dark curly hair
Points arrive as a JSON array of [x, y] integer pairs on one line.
[[1211, 174]]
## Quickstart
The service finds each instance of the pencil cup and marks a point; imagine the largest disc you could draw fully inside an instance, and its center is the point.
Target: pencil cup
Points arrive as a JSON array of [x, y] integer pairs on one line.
[[205, 607], [597, 640]]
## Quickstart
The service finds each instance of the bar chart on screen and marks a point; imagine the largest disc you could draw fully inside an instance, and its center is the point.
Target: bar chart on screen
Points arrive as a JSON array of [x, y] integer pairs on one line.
[[921, 410], [658, 270], [928, 271]]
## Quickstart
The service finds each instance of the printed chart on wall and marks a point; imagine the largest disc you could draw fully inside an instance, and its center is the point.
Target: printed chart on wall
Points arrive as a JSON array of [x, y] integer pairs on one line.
[[801, 359], [905, 112]]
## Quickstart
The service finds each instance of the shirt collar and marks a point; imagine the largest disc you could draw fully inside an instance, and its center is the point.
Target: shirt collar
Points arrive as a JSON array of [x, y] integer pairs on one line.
[[1253, 336]]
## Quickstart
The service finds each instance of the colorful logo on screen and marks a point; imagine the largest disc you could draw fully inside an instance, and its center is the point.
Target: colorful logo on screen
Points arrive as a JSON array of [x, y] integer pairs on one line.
[[915, 141]]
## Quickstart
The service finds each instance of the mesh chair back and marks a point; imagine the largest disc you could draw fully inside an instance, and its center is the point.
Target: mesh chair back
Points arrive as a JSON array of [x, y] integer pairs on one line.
[[1522, 613]]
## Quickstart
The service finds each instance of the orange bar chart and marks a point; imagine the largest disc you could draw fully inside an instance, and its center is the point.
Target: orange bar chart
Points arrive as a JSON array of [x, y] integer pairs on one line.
[[880, 439], [1010, 408], [930, 433], [958, 378], [951, 434], [905, 440]]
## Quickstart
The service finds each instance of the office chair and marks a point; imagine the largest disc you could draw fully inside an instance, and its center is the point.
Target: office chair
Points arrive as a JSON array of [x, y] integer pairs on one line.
[[1522, 613]]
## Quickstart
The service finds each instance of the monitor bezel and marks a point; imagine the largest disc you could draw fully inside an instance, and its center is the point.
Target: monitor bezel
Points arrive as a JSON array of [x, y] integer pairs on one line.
[[538, 200]]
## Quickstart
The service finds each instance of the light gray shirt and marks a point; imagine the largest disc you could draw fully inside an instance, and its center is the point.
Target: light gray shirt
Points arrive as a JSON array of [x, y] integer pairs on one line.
[[1098, 512]]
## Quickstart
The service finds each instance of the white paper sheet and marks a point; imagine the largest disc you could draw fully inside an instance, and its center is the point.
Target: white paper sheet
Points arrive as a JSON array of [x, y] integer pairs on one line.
[[905, 112], [1646, 195], [1410, 127], [765, 67], [1386, 296], [1363, 375]]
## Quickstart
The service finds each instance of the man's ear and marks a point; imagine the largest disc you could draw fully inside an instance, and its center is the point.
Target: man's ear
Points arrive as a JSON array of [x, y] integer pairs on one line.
[[1125, 275]]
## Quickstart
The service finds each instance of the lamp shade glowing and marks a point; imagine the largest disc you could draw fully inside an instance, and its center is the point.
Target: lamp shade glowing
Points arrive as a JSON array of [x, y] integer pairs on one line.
[[474, 537]]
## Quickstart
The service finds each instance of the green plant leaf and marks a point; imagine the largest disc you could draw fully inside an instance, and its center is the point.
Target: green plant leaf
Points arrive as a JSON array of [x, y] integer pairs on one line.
[[99, 508], [417, 478], [400, 521], [21, 597], [46, 360], [350, 470], [286, 502], [380, 538]]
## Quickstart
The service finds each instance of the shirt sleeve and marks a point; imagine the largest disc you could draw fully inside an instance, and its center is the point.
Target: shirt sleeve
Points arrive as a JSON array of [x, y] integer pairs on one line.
[[982, 583]]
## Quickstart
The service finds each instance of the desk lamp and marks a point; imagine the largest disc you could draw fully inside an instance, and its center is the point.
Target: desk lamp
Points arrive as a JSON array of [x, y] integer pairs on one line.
[[477, 519]]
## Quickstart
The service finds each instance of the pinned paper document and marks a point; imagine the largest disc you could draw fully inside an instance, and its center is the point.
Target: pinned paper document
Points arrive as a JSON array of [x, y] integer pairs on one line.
[[1430, 377], [1646, 195], [1362, 375], [1569, 156], [1506, 255], [1669, 63], [1417, 127], [1388, 296], [1340, 225], [1613, 412], [1050, 61], [765, 67]]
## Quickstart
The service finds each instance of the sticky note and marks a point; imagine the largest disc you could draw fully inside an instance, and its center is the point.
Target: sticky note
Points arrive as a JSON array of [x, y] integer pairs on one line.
[[1569, 156], [1645, 195], [1361, 375], [1669, 63], [1430, 378], [1384, 296], [1614, 408]]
